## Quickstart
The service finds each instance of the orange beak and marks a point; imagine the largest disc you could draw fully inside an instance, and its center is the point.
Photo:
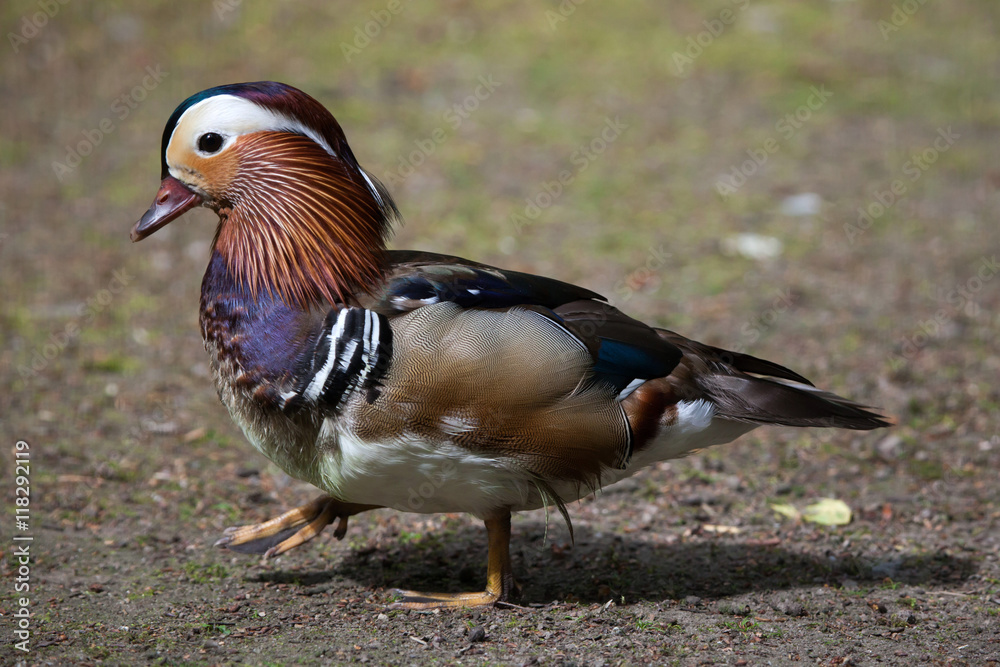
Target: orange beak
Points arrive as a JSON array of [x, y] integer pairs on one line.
[[172, 201]]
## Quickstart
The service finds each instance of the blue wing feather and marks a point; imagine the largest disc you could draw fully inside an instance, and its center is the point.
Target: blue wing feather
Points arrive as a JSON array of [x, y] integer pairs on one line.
[[620, 362]]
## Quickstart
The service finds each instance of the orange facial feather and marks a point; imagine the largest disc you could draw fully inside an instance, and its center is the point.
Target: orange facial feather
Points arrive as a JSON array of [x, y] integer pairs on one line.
[[300, 224]]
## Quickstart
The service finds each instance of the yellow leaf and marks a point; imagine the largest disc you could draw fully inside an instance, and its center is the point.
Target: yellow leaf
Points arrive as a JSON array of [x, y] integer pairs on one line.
[[828, 512], [786, 510]]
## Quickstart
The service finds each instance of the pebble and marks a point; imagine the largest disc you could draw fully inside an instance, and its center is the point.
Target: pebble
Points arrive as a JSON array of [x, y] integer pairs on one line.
[[477, 634], [752, 246], [890, 447], [806, 203], [791, 608]]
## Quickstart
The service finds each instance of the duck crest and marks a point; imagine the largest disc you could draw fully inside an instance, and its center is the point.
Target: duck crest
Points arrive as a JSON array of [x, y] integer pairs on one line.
[[301, 224]]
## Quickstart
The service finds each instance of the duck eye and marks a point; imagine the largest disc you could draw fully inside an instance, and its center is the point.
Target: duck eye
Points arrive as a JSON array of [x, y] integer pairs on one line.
[[210, 142]]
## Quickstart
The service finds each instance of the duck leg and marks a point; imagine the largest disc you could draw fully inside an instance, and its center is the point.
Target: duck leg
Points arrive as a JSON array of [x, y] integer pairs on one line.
[[287, 531], [500, 584]]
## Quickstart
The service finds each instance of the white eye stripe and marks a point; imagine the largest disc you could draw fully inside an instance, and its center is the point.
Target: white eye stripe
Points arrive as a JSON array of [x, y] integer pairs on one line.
[[232, 116]]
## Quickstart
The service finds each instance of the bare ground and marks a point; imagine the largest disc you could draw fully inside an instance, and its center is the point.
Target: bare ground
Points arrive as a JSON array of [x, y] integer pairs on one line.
[[136, 469]]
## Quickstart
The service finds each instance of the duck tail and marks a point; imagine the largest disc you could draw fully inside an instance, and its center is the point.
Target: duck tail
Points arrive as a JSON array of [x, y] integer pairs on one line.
[[747, 389], [763, 400]]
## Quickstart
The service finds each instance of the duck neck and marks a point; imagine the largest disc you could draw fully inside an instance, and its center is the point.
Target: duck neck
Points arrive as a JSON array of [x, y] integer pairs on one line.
[[301, 225]]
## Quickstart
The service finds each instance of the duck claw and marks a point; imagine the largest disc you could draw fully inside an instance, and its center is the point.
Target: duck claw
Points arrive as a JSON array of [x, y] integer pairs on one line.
[[291, 529]]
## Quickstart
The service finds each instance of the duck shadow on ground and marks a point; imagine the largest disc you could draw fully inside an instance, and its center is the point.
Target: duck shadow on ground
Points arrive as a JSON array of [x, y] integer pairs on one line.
[[597, 569]]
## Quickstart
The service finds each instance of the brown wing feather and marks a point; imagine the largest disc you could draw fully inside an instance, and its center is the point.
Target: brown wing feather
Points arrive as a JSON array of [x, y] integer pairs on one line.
[[505, 384], [593, 320], [720, 358]]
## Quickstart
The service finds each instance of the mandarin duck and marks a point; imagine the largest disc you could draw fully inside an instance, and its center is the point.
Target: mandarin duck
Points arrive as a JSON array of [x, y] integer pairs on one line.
[[418, 381]]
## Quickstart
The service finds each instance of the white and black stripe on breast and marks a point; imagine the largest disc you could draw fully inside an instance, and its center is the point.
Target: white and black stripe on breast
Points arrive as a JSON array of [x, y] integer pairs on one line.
[[353, 352]]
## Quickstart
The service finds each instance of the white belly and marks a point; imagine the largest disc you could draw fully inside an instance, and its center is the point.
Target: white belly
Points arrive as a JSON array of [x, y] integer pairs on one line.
[[412, 475]]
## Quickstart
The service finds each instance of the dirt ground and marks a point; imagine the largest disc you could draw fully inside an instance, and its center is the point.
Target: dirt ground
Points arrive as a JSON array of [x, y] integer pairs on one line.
[[852, 145]]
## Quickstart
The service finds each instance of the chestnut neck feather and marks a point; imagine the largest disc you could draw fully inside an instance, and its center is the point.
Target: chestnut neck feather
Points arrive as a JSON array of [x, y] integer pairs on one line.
[[301, 224]]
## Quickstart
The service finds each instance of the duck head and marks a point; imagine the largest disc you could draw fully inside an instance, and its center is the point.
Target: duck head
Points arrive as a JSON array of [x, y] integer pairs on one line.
[[298, 217]]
